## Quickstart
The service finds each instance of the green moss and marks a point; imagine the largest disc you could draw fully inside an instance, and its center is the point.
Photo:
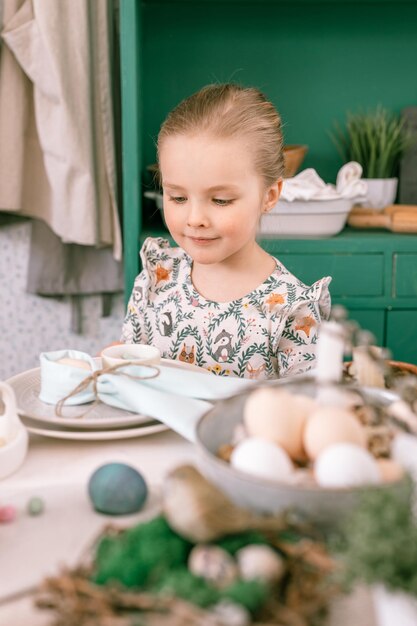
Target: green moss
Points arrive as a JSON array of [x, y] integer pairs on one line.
[[140, 554], [379, 543], [183, 584], [233, 543], [249, 593]]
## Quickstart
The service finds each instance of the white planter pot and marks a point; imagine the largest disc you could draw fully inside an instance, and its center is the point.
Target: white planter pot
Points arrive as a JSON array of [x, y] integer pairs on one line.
[[394, 607], [381, 192]]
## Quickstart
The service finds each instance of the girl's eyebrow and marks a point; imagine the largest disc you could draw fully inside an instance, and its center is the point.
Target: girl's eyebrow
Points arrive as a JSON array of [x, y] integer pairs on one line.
[[229, 187], [171, 186]]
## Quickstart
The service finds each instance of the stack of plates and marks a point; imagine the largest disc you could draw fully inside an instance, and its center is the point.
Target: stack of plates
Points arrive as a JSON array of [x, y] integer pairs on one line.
[[98, 422]]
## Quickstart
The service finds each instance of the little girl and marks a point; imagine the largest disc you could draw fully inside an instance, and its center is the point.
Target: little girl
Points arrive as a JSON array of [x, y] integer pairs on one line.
[[219, 300]]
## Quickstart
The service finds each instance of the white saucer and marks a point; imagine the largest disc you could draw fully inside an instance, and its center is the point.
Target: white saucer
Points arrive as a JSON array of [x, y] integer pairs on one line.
[[98, 435], [27, 386]]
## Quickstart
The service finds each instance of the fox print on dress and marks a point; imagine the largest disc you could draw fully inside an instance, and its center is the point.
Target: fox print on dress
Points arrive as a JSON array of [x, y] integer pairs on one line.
[[254, 372]]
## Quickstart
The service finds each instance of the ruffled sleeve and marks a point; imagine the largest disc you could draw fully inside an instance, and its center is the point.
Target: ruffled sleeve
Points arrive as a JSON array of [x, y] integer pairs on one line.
[[160, 264], [134, 327], [296, 344]]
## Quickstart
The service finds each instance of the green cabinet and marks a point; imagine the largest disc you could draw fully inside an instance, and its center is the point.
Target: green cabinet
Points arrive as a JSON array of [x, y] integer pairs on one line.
[[401, 333], [374, 275], [345, 268], [374, 320], [405, 275]]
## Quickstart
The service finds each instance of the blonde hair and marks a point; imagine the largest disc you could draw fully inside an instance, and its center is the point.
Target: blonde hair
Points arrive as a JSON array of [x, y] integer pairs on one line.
[[229, 110]]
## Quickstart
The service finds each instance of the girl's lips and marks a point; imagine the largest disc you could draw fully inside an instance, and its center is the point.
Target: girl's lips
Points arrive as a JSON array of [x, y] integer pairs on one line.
[[203, 240]]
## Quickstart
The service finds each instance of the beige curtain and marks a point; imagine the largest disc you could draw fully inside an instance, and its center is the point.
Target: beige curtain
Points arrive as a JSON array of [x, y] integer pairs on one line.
[[57, 156]]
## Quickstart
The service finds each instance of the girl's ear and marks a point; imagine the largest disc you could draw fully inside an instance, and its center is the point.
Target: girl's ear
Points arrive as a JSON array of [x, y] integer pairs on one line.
[[272, 195]]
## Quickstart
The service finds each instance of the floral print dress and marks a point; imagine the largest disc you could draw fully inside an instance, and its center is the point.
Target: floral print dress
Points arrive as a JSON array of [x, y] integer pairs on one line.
[[271, 332]]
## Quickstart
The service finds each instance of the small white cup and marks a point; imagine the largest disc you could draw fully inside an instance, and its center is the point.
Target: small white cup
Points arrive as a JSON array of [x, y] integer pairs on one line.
[[133, 352], [13, 452]]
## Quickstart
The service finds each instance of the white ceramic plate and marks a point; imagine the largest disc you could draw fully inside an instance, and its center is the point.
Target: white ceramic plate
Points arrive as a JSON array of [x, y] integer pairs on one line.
[[26, 387], [101, 416], [98, 435]]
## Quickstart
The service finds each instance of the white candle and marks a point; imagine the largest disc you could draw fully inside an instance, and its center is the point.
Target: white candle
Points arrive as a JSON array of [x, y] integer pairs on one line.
[[330, 349]]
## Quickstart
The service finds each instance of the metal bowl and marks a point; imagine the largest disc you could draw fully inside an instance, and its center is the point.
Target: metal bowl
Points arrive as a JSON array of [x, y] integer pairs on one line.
[[322, 505]]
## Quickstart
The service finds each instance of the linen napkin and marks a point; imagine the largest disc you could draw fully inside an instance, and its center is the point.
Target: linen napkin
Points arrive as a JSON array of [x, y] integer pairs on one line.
[[58, 380], [307, 185], [176, 397]]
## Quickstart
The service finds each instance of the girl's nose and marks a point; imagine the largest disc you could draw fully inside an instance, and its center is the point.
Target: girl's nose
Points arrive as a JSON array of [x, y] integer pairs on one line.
[[197, 215]]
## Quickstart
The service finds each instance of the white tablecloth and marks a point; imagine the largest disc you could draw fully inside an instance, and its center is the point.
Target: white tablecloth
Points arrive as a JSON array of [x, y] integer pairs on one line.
[[58, 471]]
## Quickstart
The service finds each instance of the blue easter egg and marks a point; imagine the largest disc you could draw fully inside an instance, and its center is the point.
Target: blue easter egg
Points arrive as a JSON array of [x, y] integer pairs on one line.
[[117, 489]]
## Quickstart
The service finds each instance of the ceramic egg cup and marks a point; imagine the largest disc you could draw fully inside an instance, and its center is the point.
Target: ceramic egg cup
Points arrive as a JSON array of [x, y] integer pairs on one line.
[[135, 352], [13, 453]]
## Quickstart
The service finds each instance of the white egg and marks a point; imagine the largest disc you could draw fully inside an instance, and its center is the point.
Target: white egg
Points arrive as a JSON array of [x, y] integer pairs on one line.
[[262, 458], [230, 613], [260, 561], [346, 465]]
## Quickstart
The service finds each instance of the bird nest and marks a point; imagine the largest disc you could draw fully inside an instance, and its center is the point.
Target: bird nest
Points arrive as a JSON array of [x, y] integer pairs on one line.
[[300, 599]]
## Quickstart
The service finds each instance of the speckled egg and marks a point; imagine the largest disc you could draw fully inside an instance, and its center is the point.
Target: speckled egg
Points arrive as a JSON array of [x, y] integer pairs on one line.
[[230, 613], [331, 425], [278, 416], [262, 458], [213, 564], [346, 465], [117, 489], [261, 562]]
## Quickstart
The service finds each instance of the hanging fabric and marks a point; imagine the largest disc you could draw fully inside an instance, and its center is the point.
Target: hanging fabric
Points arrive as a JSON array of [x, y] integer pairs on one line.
[[57, 152]]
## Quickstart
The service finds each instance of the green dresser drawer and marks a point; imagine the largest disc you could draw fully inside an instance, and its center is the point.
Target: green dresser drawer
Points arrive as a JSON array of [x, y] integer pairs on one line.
[[371, 319], [402, 335], [404, 275], [353, 274]]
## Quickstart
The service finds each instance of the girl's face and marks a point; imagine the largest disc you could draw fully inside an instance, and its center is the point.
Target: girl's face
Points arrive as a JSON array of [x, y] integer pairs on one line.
[[213, 197]]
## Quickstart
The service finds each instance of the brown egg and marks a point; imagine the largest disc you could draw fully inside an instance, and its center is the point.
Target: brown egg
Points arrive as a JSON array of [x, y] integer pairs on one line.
[[390, 470], [330, 425], [305, 404], [274, 414]]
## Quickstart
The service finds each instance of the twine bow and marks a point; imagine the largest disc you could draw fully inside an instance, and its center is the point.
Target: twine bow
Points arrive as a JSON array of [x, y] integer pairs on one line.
[[93, 378]]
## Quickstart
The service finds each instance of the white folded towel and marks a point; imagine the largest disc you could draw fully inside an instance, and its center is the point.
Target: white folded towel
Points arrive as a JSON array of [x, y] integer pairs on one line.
[[307, 185]]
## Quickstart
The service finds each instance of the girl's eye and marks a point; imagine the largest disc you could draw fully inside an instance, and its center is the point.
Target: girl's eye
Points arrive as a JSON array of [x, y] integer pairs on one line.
[[222, 202], [178, 199]]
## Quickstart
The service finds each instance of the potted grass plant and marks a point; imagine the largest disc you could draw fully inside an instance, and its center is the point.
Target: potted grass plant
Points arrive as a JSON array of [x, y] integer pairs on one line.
[[379, 548], [377, 140]]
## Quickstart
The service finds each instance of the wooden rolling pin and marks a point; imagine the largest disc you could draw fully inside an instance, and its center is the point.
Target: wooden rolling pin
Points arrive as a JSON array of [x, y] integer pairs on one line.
[[399, 218]]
